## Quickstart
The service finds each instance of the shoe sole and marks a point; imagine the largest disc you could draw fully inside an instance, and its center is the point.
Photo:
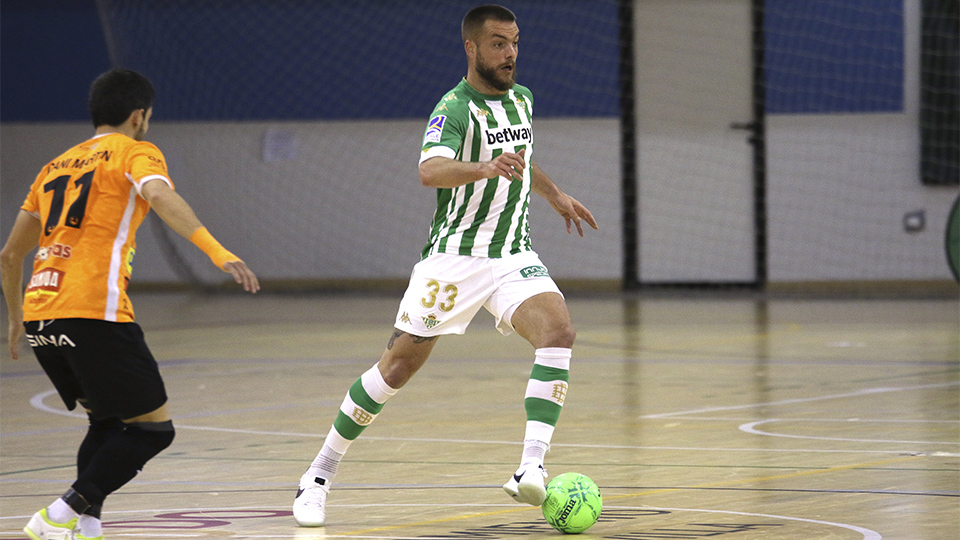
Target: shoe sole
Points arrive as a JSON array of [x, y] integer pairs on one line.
[[311, 524], [528, 493], [32, 536], [39, 521], [531, 493]]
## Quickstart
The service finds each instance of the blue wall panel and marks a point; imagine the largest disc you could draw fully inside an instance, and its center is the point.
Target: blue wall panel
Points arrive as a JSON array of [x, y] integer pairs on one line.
[[297, 59], [50, 51], [834, 56]]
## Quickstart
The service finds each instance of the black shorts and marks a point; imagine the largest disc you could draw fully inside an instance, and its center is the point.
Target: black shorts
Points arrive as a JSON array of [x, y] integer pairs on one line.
[[104, 366]]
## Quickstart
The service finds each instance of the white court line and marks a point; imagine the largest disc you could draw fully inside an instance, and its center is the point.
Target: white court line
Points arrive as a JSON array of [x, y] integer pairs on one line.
[[751, 427], [37, 402], [865, 392], [867, 533], [842, 420], [287, 508]]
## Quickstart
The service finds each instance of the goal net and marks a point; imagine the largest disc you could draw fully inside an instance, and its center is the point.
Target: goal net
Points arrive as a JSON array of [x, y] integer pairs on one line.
[[296, 125], [294, 128]]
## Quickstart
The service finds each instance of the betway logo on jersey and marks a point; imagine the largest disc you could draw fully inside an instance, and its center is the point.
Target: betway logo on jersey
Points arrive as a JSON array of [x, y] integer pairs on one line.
[[511, 134], [46, 280]]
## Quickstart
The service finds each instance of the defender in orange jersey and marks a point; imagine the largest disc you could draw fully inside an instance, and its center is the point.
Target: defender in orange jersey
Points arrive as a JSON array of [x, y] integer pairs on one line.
[[82, 214]]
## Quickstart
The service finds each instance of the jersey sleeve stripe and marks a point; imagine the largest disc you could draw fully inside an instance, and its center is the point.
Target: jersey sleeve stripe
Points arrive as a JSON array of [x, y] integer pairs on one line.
[[437, 151], [139, 184]]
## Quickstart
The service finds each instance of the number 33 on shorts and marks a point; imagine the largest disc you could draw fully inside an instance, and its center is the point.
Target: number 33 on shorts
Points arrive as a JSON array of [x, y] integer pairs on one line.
[[448, 299]]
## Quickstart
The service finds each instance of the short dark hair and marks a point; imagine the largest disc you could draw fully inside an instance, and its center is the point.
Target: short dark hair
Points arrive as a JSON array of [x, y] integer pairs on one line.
[[114, 95], [476, 17]]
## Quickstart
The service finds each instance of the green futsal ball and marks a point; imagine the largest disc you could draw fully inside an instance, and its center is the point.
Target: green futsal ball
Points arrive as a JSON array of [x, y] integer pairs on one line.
[[573, 503]]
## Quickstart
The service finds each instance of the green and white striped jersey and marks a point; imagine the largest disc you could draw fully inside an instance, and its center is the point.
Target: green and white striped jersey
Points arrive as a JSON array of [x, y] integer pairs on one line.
[[487, 218]]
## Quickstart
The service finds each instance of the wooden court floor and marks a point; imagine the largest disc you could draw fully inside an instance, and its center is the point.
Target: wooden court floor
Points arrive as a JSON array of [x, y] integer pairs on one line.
[[733, 417]]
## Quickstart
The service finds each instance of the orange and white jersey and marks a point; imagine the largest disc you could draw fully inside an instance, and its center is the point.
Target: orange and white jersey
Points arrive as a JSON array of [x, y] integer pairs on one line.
[[89, 204]]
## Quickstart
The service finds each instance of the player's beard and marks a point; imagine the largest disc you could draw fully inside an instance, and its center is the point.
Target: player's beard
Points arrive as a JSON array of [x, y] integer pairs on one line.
[[493, 76], [141, 131]]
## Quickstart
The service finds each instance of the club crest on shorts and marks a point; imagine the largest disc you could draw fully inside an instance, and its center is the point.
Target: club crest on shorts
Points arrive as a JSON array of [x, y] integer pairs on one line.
[[430, 321]]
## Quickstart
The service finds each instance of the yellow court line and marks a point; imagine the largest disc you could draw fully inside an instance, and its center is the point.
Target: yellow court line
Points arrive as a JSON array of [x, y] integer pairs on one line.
[[651, 492]]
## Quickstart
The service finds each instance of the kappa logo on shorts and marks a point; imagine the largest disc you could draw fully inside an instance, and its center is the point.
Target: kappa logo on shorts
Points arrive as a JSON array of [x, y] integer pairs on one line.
[[435, 129], [534, 271]]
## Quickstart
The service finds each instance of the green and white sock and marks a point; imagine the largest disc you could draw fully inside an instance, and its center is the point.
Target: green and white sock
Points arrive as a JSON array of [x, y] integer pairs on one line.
[[543, 400], [358, 410]]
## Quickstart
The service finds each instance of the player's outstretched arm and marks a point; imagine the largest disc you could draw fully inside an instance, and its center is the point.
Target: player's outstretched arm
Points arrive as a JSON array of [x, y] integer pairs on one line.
[[444, 172], [178, 214], [23, 238], [572, 210]]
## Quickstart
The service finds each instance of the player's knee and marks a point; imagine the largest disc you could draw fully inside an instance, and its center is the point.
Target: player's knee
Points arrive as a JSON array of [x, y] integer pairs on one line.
[[154, 436], [563, 335], [557, 335], [400, 371]]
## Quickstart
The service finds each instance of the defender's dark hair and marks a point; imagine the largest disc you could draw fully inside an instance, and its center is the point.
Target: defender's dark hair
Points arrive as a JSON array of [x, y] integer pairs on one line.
[[474, 19], [114, 95]]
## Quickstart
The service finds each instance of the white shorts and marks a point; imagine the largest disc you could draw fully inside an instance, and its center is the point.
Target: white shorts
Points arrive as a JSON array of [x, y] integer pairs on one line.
[[446, 291]]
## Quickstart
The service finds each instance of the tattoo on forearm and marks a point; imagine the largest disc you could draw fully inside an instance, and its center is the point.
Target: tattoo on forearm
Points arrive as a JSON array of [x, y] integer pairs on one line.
[[416, 339], [396, 334]]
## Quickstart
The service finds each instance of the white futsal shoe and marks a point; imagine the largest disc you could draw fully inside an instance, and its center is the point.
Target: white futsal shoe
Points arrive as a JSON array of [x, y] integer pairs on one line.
[[308, 507], [41, 528], [527, 486]]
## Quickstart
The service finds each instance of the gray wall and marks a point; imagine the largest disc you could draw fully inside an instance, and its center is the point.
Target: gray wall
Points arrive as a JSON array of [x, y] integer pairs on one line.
[[333, 200]]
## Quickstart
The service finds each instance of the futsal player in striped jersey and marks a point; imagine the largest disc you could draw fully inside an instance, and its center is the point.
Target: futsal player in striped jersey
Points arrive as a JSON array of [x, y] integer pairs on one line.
[[478, 153], [82, 215]]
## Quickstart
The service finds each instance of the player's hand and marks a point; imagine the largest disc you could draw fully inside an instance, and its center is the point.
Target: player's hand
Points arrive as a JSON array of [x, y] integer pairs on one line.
[[15, 331], [573, 211], [242, 275], [508, 165]]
